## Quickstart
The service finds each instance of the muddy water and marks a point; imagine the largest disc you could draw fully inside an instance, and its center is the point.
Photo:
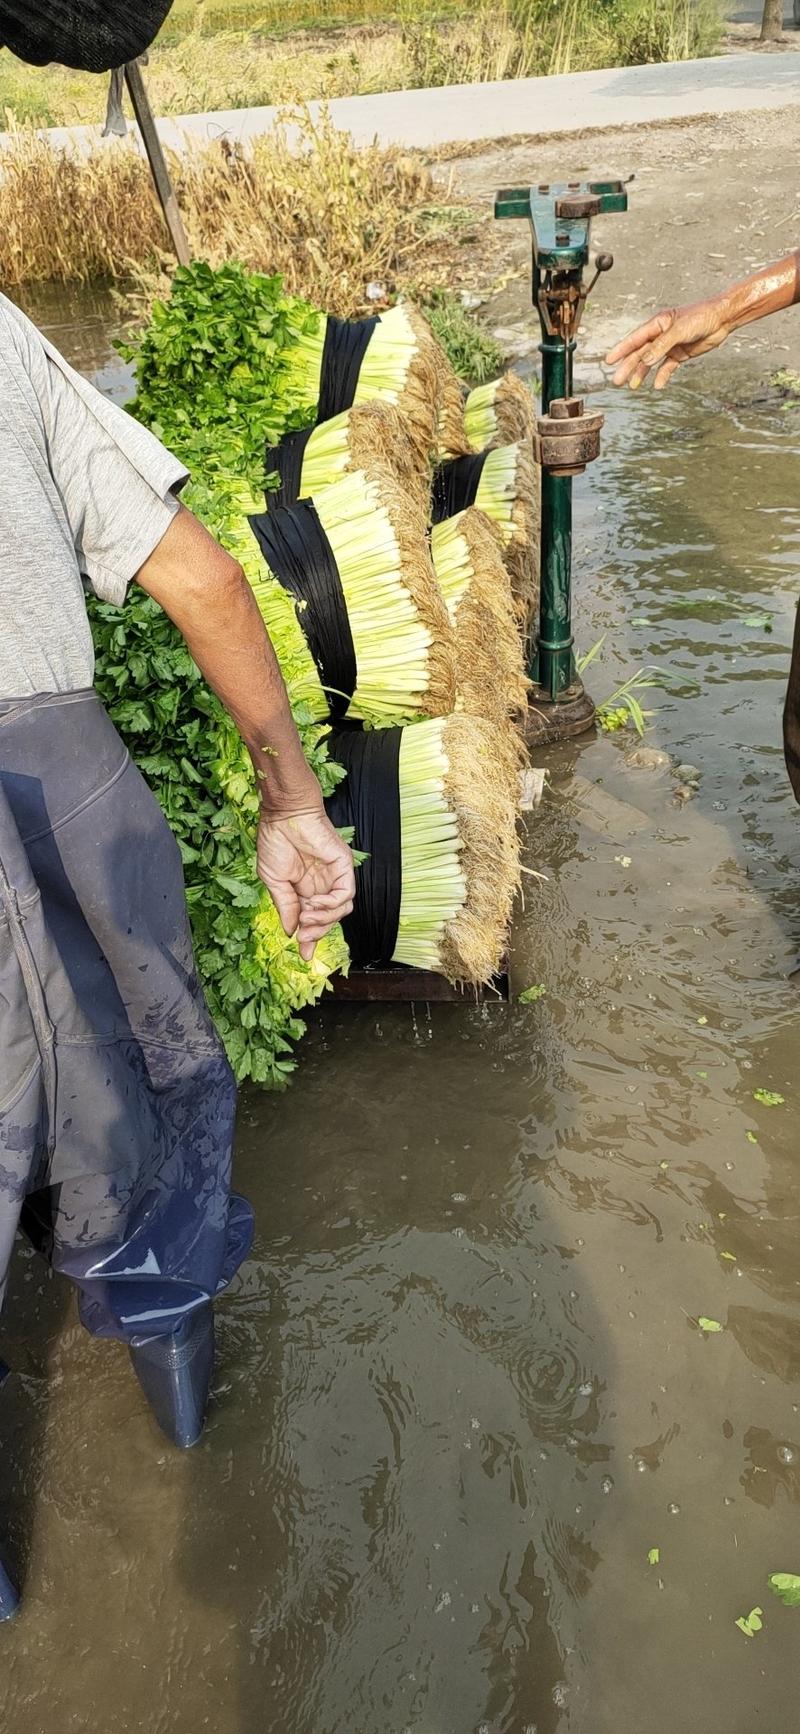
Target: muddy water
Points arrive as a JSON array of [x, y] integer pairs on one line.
[[462, 1392]]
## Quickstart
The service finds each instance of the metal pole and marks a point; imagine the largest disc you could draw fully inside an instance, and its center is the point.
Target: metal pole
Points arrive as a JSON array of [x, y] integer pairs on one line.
[[157, 160], [553, 662]]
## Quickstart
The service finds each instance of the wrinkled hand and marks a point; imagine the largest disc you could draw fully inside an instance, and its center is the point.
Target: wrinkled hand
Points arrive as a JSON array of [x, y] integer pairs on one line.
[[308, 871], [677, 334]]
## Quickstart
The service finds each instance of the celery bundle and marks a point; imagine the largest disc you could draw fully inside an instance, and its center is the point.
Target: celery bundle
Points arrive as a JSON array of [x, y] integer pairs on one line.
[[490, 673], [225, 510], [357, 561], [254, 978], [214, 375], [354, 440], [498, 414], [393, 358], [434, 808], [502, 483]]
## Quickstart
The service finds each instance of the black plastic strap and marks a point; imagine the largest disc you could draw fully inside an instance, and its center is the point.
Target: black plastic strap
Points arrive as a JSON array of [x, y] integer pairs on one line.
[[287, 458], [297, 550], [346, 343], [455, 485], [369, 801]]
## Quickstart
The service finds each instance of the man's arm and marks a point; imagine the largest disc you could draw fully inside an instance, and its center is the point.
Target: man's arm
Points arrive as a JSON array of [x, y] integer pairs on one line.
[[301, 859], [680, 334]]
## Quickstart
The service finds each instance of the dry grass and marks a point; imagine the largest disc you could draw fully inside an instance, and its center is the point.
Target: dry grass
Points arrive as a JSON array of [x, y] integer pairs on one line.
[[235, 69], [238, 56], [499, 39], [328, 217]]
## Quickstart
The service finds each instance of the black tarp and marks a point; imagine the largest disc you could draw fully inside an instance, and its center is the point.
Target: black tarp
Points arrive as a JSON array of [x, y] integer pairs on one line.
[[90, 35]]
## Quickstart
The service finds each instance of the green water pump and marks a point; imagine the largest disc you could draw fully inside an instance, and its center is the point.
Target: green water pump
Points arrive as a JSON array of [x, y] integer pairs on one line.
[[567, 437]]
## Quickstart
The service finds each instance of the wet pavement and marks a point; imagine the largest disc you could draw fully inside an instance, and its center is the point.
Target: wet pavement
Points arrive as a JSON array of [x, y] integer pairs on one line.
[[462, 1390]]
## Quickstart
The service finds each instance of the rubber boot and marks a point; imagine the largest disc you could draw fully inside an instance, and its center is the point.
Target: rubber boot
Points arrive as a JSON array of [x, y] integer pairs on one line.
[[175, 1375], [9, 1597]]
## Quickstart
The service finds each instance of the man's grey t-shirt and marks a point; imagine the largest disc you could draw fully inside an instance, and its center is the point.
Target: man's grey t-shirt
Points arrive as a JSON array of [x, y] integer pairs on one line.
[[85, 492]]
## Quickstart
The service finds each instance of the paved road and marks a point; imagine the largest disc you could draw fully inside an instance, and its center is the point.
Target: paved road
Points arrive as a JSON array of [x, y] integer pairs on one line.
[[546, 107]]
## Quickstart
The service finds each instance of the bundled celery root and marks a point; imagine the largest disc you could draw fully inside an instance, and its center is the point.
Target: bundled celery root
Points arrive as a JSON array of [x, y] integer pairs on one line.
[[451, 433], [396, 362], [480, 784], [504, 484], [498, 414], [490, 673], [367, 434], [455, 796], [400, 628]]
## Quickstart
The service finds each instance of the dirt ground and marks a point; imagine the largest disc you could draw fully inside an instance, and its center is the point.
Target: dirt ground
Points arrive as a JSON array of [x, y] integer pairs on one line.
[[711, 200]]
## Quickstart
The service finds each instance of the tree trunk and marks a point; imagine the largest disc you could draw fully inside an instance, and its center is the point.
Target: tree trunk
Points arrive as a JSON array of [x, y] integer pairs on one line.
[[772, 21]]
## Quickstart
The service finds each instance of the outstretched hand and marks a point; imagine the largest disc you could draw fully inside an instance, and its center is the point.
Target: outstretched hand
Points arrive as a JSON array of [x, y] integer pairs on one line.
[[675, 335], [308, 872]]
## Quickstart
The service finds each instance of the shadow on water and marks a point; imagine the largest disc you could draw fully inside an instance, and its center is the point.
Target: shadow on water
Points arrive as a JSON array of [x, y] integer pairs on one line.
[[462, 1393]]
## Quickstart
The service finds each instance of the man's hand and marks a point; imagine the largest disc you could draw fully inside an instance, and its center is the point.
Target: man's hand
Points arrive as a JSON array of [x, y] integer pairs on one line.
[[680, 333], [302, 861], [675, 335], [308, 872]]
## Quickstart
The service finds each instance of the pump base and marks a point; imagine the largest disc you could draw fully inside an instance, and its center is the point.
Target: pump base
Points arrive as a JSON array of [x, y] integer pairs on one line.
[[547, 722]]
